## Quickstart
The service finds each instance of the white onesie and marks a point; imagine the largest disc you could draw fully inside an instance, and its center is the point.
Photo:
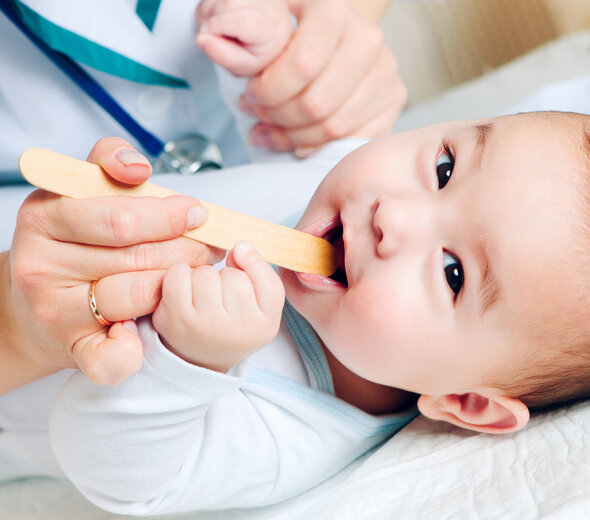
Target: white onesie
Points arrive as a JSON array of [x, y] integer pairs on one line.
[[178, 437]]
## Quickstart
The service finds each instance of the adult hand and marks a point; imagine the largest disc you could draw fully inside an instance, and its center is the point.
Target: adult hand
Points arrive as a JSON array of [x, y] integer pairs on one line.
[[61, 245], [336, 78]]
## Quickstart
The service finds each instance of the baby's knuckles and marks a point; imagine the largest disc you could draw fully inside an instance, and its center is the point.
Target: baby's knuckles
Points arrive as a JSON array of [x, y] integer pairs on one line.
[[242, 337], [215, 338], [175, 322], [241, 288], [244, 22]]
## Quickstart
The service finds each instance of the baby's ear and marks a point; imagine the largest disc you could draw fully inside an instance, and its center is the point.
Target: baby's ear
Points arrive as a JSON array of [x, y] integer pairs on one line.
[[479, 411]]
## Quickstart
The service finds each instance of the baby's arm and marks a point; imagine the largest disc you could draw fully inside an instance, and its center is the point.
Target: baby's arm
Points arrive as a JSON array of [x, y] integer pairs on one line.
[[244, 36], [215, 319], [165, 439], [176, 437]]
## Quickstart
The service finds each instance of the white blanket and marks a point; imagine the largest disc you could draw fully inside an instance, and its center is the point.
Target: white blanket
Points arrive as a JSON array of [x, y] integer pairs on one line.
[[429, 470]]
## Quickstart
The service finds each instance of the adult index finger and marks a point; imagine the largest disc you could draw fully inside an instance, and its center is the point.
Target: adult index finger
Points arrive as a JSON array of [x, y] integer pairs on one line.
[[120, 160], [110, 221]]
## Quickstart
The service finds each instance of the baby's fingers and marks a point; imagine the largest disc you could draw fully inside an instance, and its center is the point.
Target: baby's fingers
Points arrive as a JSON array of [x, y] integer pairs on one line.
[[109, 357], [244, 25], [204, 10], [229, 54], [269, 290], [176, 291]]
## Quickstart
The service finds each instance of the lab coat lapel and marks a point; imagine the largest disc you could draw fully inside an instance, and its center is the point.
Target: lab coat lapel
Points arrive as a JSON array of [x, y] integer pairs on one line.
[[111, 26]]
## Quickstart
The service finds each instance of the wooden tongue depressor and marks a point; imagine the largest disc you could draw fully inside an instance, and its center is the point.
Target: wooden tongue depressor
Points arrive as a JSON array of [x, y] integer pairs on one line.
[[278, 245]]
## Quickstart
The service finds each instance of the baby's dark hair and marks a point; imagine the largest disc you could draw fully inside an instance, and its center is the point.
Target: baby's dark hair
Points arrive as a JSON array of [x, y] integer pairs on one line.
[[556, 380], [558, 373]]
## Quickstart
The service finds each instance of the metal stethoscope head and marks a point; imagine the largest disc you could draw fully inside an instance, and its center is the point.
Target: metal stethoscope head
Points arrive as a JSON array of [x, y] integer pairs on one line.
[[189, 155]]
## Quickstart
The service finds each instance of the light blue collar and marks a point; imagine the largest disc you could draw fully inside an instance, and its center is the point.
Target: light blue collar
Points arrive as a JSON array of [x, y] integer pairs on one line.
[[310, 348]]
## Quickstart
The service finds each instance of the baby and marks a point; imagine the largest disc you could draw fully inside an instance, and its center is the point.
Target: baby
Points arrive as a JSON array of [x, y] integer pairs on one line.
[[460, 292]]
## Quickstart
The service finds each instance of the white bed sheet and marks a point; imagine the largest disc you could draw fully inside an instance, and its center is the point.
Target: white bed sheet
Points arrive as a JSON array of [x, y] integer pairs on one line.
[[429, 470]]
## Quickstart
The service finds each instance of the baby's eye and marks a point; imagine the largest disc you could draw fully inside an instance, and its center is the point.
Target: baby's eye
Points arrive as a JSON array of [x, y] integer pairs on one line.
[[453, 272], [444, 167]]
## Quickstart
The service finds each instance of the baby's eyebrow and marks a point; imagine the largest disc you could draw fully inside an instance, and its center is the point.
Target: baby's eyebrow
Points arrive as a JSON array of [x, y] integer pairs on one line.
[[482, 133], [489, 289], [586, 143]]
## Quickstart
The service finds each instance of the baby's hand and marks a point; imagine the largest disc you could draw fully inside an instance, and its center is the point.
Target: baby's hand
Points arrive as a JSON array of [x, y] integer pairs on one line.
[[216, 318], [244, 36]]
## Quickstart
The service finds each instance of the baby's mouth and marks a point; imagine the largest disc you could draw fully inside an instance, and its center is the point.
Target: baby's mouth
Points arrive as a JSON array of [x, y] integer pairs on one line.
[[334, 236]]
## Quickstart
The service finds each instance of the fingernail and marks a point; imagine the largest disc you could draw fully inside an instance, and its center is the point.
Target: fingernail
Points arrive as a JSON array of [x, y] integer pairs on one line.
[[196, 216], [260, 138], [202, 27], [127, 157], [202, 40], [304, 153], [245, 107], [243, 246], [216, 255]]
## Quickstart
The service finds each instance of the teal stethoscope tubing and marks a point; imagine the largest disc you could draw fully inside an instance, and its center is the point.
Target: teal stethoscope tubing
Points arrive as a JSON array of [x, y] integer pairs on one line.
[[89, 85]]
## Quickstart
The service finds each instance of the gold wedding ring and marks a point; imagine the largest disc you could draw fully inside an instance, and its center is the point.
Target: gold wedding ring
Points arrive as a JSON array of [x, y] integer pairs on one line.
[[94, 308]]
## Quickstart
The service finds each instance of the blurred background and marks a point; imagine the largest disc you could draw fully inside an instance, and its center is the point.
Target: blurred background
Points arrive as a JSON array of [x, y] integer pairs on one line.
[[443, 43]]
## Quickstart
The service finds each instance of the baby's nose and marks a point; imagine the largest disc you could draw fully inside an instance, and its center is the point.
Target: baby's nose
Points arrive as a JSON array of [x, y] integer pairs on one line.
[[399, 222]]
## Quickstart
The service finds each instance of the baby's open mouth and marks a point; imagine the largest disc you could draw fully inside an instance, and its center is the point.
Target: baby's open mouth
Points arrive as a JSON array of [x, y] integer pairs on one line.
[[334, 236]]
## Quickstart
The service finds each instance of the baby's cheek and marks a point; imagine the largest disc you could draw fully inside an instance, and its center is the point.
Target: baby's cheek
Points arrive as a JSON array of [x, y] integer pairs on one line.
[[375, 320], [364, 319], [379, 309]]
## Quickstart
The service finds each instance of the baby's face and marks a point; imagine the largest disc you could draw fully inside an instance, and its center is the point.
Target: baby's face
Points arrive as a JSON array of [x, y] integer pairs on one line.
[[456, 238]]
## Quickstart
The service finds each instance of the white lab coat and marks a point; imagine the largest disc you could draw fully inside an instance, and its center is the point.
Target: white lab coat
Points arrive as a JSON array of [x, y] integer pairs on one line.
[[41, 106]]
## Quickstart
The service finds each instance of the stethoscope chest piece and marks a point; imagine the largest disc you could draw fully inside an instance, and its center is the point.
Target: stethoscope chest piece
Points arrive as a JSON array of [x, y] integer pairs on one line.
[[188, 155]]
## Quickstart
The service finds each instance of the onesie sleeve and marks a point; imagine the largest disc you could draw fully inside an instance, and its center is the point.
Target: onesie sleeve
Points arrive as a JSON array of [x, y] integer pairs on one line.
[[173, 437]]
